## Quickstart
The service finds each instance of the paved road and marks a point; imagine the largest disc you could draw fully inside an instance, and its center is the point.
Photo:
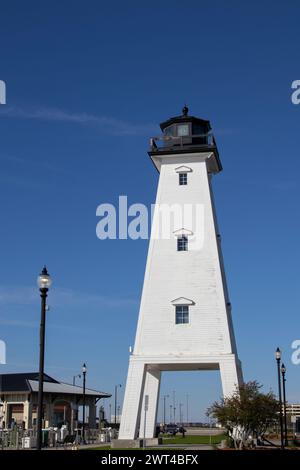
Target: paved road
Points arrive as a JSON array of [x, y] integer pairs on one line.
[[203, 431]]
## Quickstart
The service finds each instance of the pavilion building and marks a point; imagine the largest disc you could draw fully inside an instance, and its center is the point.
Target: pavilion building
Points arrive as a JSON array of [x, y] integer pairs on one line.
[[19, 400]]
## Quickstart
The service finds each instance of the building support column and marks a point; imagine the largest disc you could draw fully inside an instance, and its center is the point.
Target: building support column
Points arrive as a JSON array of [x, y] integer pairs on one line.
[[74, 414], [92, 415], [49, 409], [27, 414]]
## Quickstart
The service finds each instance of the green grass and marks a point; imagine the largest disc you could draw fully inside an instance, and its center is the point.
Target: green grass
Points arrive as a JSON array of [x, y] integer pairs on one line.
[[98, 448], [213, 440]]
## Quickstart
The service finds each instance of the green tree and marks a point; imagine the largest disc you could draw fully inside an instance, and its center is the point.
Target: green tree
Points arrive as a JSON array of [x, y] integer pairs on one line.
[[248, 412]]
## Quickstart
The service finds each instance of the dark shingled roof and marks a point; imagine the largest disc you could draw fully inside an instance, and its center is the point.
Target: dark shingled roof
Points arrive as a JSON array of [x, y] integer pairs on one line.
[[18, 382], [29, 383]]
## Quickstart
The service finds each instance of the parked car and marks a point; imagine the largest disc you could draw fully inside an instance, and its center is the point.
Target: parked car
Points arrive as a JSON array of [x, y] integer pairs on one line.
[[182, 430], [171, 429], [157, 431]]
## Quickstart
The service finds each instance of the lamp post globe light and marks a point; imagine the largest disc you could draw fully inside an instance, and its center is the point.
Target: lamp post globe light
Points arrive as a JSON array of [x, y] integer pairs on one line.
[[283, 371], [84, 369], [278, 360], [278, 354], [44, 282]]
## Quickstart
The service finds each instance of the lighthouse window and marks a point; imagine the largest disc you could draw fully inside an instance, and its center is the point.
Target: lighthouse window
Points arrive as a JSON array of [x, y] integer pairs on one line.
[[182, 314], [169, 130], [182, 243], [183, 130], [182, 179]]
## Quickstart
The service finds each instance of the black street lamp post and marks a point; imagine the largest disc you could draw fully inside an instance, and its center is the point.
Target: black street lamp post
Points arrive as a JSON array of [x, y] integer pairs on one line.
[[180, 413], [84, 369], [44, 282], [278, 359], [187, 408], [165, 396], [283, 371], [174, 407], [116, 391]]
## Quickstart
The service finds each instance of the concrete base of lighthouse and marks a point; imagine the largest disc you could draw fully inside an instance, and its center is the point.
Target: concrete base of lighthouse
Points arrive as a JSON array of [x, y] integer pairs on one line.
[[143, 383]]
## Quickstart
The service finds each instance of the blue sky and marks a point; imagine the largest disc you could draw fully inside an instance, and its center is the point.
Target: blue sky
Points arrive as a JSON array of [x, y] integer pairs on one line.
[[87, 84]]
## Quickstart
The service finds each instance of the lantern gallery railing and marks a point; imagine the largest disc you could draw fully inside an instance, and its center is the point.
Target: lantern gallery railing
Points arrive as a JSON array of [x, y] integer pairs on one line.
[[195, 140]]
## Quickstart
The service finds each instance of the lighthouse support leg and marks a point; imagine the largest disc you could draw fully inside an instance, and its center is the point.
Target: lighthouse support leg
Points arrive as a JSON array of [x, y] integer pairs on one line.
[[150, 404], [231, 375], [131, 413]]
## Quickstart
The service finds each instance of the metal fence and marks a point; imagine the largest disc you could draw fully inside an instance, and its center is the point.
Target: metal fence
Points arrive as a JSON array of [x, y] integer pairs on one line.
[[19, 438]]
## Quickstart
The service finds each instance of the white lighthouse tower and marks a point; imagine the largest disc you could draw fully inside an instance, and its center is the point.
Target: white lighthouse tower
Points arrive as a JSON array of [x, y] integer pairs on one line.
[[185, 313]]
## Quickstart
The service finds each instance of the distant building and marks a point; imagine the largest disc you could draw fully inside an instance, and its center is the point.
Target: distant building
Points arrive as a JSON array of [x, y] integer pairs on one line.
[[293, 409], [117, 419], [293, 415], [19, 398]]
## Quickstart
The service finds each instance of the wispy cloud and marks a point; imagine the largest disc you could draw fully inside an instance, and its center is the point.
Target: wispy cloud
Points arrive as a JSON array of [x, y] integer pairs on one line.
[[62, 297], [70, 297], [105, 124], [31, 366], [19, 295], [27, 162], [18, 323]]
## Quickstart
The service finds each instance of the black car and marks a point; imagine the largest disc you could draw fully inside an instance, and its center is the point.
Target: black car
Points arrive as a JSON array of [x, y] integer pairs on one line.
[[171, 429]]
